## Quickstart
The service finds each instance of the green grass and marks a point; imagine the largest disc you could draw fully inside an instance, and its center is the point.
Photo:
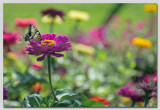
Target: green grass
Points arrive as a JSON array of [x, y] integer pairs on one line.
[[98, 13]]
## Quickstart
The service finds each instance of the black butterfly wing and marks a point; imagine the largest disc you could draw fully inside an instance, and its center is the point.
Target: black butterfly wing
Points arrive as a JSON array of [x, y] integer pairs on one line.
[[33, 34]]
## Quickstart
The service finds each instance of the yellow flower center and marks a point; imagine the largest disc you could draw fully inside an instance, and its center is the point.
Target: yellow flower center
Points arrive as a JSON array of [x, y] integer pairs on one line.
[[48, 42]]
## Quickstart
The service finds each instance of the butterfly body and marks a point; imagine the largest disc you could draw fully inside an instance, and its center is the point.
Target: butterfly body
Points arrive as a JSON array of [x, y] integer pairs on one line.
[[33, 34]]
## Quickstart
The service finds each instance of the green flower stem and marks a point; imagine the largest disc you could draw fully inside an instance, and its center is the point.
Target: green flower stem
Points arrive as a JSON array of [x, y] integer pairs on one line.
[[112, 13], [133, 103], [49, 72], [76, 26], [146, 99], [51, 27]]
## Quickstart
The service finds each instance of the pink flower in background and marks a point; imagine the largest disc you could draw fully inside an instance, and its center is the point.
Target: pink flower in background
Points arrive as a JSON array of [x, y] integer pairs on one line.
[[10, 38], [24, 22], [95, 36], [36, 65], [131, 93], [23, 50], [130, 84], [148, 78], [84, 39], [115, 23], [99, 34], [125, 35], [140, 25], [49, 45], [155, 78]]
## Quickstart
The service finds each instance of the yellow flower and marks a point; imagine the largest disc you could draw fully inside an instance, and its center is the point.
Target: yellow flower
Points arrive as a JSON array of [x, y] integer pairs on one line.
[[12, 56], [78, 15], [150, 8], [126, 99], [84, 49], [138, 41], [141, 104], [48, 19], [5, 62]]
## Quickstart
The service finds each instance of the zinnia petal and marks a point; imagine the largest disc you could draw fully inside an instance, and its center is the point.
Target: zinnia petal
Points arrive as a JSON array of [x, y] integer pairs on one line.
[[58, 55], [41, 58]]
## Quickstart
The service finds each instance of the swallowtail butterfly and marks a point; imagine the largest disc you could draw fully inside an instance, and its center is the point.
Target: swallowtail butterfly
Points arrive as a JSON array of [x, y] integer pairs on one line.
[[33, 34]]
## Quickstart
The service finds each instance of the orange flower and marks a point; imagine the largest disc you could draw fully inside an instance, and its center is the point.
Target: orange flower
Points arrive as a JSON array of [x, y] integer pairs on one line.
[[100, 99], [36, 87]]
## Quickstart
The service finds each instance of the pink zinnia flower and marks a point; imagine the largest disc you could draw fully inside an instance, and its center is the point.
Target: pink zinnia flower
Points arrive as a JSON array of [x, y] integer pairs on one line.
[[36, 65], [148, 78], [99, 34], [130, 84], [24, 22], [131, 93], [95, 36], [84, 39], [10, 38], [49, 45]]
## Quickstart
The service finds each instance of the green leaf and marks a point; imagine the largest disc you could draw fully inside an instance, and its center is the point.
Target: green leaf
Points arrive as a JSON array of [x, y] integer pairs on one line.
[[92, 103], [33, 100], [50, 100], [77, 103], [65, 94], [83, 97], [89, 103], [47, 101], [65, 103]]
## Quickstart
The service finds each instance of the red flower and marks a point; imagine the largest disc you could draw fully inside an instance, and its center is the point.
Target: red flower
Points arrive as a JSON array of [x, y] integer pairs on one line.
[[100, 99]]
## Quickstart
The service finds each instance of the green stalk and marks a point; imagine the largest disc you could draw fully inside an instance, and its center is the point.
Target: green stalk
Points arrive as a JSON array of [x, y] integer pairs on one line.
[[76, 26], [51, 27], [146, 99], [133, 103], [49, 72]]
